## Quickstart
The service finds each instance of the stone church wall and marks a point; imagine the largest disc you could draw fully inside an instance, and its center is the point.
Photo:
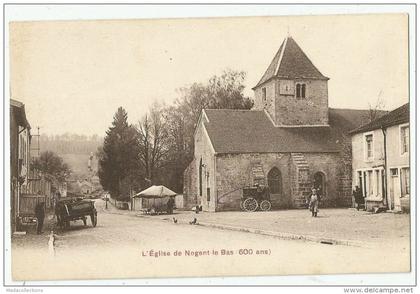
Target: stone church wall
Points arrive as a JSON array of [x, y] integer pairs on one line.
[[312, 110], [204, 153], [269, 103], [234, 173]]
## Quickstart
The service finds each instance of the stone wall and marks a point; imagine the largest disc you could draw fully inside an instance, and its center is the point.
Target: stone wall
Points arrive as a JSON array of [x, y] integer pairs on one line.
[[204, 154], [269, 102], [312, 110], [234, 173], [330, 165]]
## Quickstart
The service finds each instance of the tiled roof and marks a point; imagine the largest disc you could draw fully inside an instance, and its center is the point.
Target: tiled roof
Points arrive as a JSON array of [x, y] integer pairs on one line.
[[246, 131], [397, 116], [290, 62]]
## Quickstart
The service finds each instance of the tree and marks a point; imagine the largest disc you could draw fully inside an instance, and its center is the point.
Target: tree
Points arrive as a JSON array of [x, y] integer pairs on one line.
[[220, 92], [118, 158], [152, 140], [52, 164], [376, 110]]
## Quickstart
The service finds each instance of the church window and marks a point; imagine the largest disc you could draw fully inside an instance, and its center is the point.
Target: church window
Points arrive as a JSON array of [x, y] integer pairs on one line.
[[264, 94], [300, 91], [274, 181]]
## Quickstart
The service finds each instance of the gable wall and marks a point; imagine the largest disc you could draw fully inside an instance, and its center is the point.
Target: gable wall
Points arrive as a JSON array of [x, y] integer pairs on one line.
[[204, 150]]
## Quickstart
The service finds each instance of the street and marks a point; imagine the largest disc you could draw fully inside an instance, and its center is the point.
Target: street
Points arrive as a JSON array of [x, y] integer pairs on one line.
[[130, 246]]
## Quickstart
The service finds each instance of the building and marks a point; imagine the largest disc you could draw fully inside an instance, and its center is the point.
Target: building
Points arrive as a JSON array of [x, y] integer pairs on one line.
[[20, 138], [28, 186], [381, 160], [85, 187], [290, 141]]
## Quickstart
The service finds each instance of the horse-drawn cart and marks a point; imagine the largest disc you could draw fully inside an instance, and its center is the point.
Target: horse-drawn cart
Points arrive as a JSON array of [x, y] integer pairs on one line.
[[75, 209], [255, 197]]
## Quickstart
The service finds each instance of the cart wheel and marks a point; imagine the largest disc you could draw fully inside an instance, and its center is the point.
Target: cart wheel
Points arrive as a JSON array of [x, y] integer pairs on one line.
[[265, 205], [250, 204], [84, 221], [94, 219]]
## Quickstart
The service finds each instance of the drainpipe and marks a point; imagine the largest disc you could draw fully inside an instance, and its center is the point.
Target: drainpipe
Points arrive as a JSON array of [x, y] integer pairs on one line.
[[385, 169]]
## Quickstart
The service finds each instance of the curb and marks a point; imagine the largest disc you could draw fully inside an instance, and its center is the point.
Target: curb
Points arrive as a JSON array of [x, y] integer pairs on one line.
[[286, 236]]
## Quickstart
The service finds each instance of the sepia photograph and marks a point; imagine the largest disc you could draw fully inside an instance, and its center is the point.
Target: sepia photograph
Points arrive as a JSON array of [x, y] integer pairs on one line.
[[267, 145]]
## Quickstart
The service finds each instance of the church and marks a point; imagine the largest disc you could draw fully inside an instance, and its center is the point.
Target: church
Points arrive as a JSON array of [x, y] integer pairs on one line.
[[290, 141]]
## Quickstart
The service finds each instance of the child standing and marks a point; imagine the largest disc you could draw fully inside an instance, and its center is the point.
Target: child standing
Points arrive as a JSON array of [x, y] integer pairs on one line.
[[314, 202]]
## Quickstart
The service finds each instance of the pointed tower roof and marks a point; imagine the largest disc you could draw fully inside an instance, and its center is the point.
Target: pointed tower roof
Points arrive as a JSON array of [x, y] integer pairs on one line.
[[290, 62]]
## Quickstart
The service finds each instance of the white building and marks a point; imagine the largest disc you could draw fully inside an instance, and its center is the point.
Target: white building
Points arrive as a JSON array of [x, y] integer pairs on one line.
[[381, 160]]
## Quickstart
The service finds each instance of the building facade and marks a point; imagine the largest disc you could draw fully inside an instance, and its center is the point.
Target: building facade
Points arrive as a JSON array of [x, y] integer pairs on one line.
[[381, 160], [20, 138], [290, 142]]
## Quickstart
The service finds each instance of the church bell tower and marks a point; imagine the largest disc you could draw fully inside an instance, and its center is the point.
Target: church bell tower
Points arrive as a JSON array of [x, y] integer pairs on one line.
[[292, 90]]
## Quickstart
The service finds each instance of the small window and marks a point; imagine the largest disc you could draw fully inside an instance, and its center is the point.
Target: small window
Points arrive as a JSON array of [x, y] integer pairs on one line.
[[297, 90], [369, 146], [208, 194], [405, 139], [264, 94], [394, 172]]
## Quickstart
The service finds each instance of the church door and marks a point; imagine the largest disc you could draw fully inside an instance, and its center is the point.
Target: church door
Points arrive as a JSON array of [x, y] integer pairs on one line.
[[319, 183], [274, 181]]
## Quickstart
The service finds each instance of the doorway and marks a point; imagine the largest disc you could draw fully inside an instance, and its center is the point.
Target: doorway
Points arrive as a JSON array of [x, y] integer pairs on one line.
[[395, 190], [319, 183]]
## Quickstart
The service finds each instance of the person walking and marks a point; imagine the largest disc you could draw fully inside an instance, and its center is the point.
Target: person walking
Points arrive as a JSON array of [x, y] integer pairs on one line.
[[40, 215], [314, 200]]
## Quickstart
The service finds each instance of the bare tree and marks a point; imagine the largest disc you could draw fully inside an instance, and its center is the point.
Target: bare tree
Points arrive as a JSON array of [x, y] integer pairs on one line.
[[377, 109], [153, 148]]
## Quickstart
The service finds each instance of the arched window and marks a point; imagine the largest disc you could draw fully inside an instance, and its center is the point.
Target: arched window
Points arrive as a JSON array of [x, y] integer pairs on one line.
[[297, 90], [274, 181], [200, 177], [300, 91]]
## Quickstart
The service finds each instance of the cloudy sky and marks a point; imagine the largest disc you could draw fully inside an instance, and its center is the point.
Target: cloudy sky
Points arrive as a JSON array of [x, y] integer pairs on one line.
[[73, 75]]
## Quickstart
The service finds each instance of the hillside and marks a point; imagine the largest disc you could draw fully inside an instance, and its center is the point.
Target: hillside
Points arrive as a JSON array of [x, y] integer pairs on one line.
[[74, 149]]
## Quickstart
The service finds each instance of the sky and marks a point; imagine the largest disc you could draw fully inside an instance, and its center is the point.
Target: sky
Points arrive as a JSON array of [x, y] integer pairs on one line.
[[73, 75]]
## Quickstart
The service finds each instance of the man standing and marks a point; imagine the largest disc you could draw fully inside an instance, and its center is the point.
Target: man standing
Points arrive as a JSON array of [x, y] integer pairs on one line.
[[170, 205], [358, 198], [40, 215]]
